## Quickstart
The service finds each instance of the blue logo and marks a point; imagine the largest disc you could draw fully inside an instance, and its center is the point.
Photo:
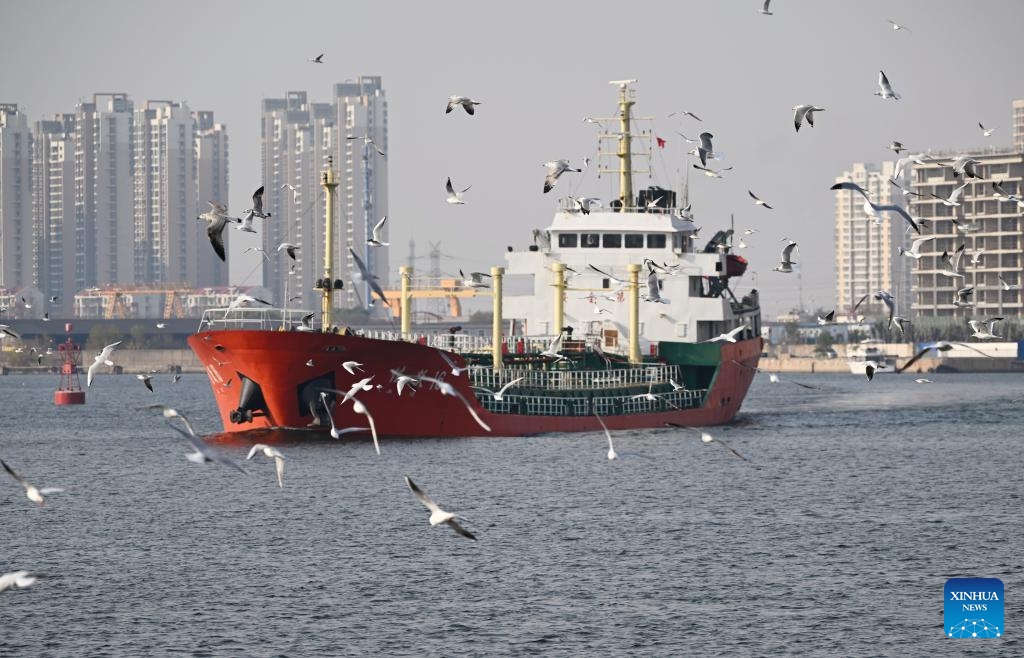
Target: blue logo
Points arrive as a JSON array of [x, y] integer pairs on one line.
[[974, 607]]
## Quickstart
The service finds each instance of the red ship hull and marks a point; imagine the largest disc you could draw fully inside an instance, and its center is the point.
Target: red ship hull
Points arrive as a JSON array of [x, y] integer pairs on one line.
[[266, 379]]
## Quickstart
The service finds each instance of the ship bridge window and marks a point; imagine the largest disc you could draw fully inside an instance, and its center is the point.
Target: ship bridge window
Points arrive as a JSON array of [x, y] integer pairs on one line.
[[567, 240], [655, 240], [590, 240], [634, 241], [611, 240]]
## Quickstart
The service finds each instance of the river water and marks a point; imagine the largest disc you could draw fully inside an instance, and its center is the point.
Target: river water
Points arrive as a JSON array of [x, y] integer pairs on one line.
[[857, 502]]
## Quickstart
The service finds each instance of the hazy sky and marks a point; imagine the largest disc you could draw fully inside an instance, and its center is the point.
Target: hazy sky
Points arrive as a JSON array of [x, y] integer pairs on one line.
[[538, 68]]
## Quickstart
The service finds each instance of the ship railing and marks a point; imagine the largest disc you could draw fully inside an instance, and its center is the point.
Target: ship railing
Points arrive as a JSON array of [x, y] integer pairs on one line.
[[609, 405], [575, 380], [253, 319]]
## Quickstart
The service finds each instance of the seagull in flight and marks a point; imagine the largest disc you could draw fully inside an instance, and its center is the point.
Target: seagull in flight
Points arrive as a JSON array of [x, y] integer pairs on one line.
[[474, 280], [896, 27], [612, 455], [448, 389], [801, 112], [257, 204], [376, 240], [217, 218], [685, 113], [555, 169], [984, 329], [757, 201], [706, 438], [870, 367], [500, 393], [453, 196], [786, 265], [939, 346], [586, 203], [466, 102], [954, 196], [882, 296], [367, 141], [729, 336], [437, 515], [19, 579], [450, 362], [169, 413], [274, 454], [370, 279], [705, 150], [1006, 285], [319, 59], [885, 89], [103, 358], [829, 318], [289, 249], [764, 8], [147, 380], [850, 185], [896, 147], [873, 209], [654, 289], [709, 172], [31, 492], [203, 453], [986, 132]]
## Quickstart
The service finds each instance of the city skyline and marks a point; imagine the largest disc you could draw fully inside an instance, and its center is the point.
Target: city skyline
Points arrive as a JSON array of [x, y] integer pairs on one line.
[[533, 100]]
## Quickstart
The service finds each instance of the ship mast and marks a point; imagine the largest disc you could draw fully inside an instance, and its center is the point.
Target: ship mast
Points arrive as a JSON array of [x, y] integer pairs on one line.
[[330, 184], [625, 144]]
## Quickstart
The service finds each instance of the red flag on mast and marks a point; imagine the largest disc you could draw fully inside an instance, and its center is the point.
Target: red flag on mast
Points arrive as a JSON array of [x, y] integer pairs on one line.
[[661, 142]]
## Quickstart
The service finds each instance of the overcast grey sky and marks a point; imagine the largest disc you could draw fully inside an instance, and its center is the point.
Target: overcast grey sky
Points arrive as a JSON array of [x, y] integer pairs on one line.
[[538, 68]]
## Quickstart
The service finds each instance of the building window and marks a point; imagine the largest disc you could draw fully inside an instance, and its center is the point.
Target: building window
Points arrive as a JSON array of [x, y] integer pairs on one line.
[[590, 240], [567, 240], [611, 240], [655, 240], [634, 241]]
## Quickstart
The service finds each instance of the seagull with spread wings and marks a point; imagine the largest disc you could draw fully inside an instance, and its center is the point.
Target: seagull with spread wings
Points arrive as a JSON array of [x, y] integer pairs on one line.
[[377, 239], [466, 102], [938, 346], [804, 112], [885, 89], [437, 515], [31, 492]]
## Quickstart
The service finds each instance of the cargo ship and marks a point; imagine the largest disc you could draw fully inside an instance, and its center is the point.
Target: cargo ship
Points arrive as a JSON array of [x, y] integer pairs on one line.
[[618, 315]]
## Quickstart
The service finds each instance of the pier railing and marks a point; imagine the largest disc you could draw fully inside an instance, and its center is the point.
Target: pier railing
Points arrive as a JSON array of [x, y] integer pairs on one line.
[[575, 380]]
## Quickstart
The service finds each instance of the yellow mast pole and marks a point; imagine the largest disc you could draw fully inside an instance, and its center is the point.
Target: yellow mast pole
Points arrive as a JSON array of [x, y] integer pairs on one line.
[[634, 312], [406, 302], [497, 277], [329, 184], [625, 148], [559, 317]]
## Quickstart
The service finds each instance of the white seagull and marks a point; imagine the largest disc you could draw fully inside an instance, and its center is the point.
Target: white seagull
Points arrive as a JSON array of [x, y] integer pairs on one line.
[[203, 453], [437, 515], [555, 169], [351, 367], [729, 336], [466, 102], [370, 279], [19, 579], [273, 453], [360, 408], [984, 330], [612, 455], [757, 201], [448, 389], [474, 280], [289, 249], [939, 346], [584, 204], [685, 113], [257, 204], [319, 59], [764, 8], [897, 27], [1006, 285], [885, 89], [454, 197], [986, 132], [31, 492], [147, 380], [706, 438], [801, 112], [709, 172], [954, 196], [450, 362], [103, 358], [829, 318], [499, 395], [169, 413], [377, 239], [786, 264], [705, 150]]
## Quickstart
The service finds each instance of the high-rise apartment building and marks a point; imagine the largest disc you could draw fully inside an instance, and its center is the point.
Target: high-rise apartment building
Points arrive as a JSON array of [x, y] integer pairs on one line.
[[211, 155], [53, 209], [298, 138], [104, 199], [166, 230], [989, 229], [867, 242], [18, 264]]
